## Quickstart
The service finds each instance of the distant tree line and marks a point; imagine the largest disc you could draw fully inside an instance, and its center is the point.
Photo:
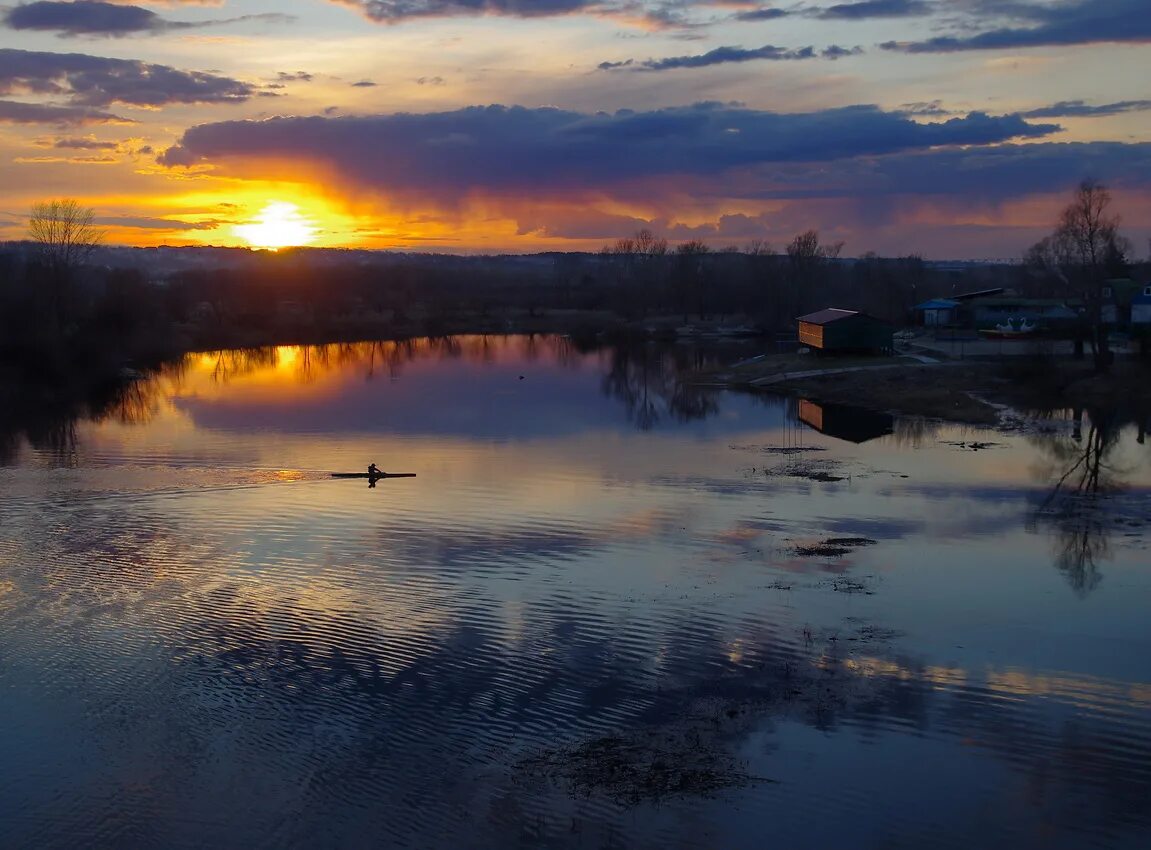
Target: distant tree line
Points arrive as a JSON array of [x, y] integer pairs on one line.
[[61, 308]]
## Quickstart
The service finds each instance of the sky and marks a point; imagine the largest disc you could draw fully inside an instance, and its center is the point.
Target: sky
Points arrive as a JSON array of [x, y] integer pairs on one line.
[[952, 129]]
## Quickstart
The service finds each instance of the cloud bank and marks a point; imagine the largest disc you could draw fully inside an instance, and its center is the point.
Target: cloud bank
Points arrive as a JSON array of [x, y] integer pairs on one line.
[[876, 9], [1060, 24], [14, 112], [109, 20], [516, 150], [96, 81], [728, 55], [392, 11], [1080, 109]]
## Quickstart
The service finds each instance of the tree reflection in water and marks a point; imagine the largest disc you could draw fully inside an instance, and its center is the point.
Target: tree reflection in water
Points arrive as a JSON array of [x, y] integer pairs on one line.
[[1078, 506], [48, 426], [647, 379]]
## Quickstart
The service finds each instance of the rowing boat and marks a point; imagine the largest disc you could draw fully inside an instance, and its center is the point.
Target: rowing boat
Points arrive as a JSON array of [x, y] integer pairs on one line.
[[373, 475]]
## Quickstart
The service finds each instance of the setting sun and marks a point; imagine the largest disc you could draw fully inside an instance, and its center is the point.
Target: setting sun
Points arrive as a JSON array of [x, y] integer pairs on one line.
[[279, 225]]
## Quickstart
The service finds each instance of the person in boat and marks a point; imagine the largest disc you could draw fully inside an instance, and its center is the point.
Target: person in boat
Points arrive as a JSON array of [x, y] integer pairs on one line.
[[373, 470]]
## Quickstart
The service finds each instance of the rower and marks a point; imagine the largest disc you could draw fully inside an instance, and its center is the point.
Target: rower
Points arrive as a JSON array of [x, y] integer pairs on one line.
[[373, 470]]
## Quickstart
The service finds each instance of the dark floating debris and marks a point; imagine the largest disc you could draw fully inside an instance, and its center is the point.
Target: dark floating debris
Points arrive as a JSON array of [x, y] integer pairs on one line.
[[973, 445]]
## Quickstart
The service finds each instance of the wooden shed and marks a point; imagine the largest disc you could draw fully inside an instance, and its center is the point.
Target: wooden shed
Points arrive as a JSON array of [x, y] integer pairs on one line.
[[833, 330]]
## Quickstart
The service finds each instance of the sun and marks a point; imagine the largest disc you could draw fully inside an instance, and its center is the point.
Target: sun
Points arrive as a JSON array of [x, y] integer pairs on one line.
[[279, 225]]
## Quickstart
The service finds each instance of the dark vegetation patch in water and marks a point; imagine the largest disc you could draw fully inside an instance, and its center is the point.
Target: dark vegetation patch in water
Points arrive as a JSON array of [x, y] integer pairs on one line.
[[688, 746], [847, 584], [871, 633], [646, 766], [810, 470], [833, 547], [822, 550]]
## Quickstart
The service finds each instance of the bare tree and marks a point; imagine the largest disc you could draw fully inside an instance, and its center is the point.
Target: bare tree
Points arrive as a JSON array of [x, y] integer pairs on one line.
[[639, 263], [64, 233], [65, 237], [806, 247], [806, 255], [1084, 248], [648, 243], [1085, 227]]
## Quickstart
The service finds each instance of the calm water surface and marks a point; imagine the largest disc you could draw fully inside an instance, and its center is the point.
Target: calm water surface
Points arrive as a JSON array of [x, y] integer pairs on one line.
[[206, 641]]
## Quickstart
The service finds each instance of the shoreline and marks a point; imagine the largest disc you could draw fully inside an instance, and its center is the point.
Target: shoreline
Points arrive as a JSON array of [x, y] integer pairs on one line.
[[923, 383], [972, 392]]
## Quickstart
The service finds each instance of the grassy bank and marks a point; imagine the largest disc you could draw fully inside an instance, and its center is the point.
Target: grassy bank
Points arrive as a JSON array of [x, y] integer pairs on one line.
[[959, 391]]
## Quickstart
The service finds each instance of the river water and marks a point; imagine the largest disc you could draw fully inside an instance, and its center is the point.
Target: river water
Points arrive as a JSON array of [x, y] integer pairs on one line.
[[609, 611]]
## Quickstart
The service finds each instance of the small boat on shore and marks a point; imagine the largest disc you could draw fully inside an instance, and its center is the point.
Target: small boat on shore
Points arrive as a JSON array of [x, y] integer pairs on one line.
[[373, 475]]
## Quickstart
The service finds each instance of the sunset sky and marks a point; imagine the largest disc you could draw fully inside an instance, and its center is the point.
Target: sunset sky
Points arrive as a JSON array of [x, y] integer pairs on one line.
[[949, 128]]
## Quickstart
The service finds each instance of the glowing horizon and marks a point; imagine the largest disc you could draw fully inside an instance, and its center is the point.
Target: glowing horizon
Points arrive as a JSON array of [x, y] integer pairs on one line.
[[889, 126], [280, 224]]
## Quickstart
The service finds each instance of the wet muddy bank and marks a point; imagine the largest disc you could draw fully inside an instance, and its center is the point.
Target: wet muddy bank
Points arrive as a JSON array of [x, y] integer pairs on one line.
[[975, 393]]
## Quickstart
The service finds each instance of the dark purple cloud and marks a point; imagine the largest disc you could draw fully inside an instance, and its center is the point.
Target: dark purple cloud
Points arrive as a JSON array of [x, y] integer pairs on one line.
[[391, 11], [13, 112], [876, 9], [534, 152], [837, 52], [1076, 22], [768, 13], [149, 223], [1079, 109], [718, 56], [975, 174], [83, 17], [85, 145], [932, 109], [111, 20], [653, 14], [98, 81]]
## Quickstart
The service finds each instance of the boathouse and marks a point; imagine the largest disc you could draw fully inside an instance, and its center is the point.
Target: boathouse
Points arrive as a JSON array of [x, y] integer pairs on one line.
[[836, 331], [1119, 296], [1141, 312], [935, 313]]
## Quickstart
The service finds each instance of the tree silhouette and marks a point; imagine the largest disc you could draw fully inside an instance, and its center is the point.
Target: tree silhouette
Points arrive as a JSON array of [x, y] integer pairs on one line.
[[806, 256], [65, 237], [1083, 251], [63, 232]]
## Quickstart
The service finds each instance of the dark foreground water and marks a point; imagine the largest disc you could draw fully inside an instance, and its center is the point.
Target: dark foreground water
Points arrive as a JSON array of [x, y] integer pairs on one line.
[[609, 612]]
